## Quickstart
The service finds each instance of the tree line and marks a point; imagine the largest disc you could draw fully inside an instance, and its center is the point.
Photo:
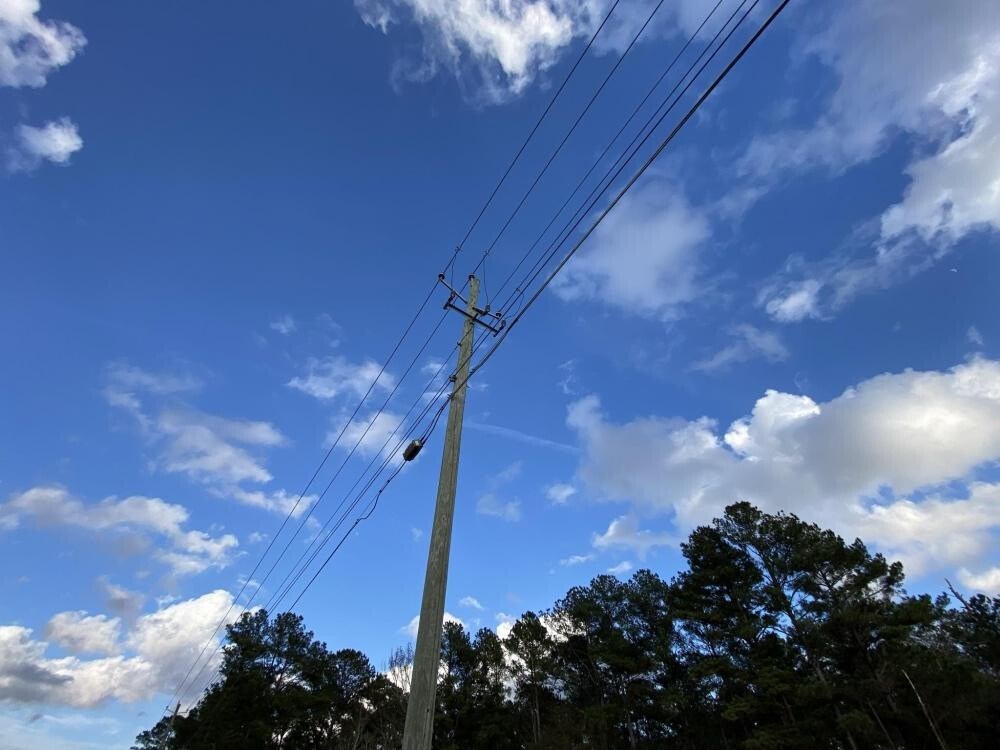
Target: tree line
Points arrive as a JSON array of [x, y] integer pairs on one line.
[[777, 634]]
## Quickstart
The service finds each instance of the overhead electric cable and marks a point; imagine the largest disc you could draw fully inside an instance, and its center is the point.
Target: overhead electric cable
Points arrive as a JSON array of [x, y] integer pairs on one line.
[[625, 157], [565, 138], [635, 177], [638, 107], [538, 122]]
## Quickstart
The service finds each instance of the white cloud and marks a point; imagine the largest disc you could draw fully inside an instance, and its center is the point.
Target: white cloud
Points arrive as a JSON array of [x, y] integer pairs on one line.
[[55, 142], [80, 634], [211, 450], [471, 602], [644, 257], [416, 533], [131, 518], [621, 568], [559, 493], [256, 537], [151, 659], [326, 379], [749, 342], [974, 337], [411, 627], [575, 560], [31, 48], [793, 301], [625, 532], [124, 377], [284, 325], [490, 505], [939, 83], [277, 501], [987, 581], [208, 448], [906, 433], [494, 49], [370, 433]]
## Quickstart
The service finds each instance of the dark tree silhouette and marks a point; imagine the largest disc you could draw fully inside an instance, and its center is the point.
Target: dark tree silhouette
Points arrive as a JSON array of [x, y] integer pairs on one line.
[[777, 634]]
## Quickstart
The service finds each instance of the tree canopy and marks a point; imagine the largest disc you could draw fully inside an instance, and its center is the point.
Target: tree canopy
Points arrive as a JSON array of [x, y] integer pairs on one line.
[[777, 634]]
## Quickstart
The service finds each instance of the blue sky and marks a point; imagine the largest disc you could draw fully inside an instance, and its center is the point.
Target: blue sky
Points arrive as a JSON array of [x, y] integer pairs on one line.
[[214, 226]]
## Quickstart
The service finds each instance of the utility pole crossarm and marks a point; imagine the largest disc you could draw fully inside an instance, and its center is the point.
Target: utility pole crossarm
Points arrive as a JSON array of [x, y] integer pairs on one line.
[[418, 732]]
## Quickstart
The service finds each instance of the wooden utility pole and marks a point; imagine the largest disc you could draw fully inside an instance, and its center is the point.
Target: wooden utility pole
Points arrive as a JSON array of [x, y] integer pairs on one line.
[[419, 729]]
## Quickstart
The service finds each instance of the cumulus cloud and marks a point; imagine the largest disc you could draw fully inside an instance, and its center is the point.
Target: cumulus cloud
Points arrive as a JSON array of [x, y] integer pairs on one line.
[[151, 659], [132, 519], [749, 342], [904, 434], [55, 142], [644, 257], [326, 379], [986, 581], [575, 560], [939, 83], [31, 48], [495, 50], [79, 633]]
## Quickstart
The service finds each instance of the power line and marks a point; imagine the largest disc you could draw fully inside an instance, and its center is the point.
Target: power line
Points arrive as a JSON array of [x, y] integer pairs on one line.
[[625, 157], [447, 267], [635, 177], [285, 589], [572, 129], [273, 602], [298, 501], [538, 122], [500, 338], [611, 142]]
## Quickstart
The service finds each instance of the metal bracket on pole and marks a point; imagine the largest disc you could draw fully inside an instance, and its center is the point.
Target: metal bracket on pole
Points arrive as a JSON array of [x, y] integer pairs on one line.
[[477, 314]]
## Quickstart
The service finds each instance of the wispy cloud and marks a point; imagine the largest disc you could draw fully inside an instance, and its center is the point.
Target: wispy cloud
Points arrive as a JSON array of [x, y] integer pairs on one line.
[[328, 378], [748, 343], [522, 437], [285, 325]]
